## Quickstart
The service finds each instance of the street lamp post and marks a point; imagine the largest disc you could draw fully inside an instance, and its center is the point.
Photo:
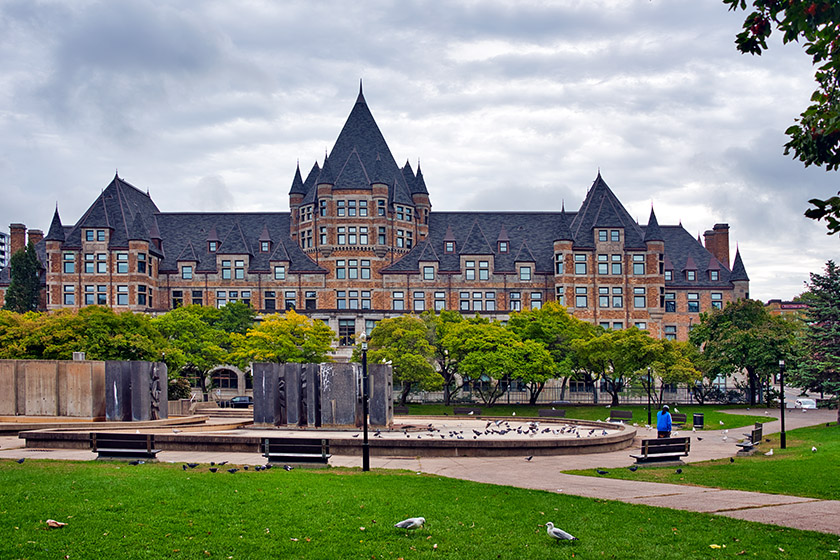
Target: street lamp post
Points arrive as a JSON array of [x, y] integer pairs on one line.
[[365, 445], [650, 389], [782, 435]]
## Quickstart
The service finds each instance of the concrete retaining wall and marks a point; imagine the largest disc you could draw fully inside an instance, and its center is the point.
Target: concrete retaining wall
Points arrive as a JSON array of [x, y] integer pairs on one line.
[[52, 388]]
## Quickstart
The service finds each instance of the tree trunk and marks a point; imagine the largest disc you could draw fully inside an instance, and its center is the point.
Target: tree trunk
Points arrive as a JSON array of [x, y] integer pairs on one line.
[[751, 378], [404, 393]]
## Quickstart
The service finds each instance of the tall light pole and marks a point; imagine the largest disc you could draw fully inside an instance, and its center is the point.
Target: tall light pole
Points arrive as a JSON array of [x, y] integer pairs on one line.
[[650, 390], [782, 434], [365, 445]]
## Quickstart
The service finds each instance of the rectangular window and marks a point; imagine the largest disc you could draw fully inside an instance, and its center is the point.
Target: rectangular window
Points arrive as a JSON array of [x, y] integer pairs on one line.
[[363, 236], [353, 269], [226, 270], [671, 332], [536, 300], [212, 246], [693, 302], [186, 272], [639, 299], [428, 273], [90, 295], [141, 295], [363, 208], [310, 300], [122, 263], [221, 298], [69, 263], [398, 301], [351, 208], [289, 300], [177, 298], [615, 236], [265, 246], [580, 264], [603, 297], [670, 302], [602, 235], [469, 273], [603, 265], [365, 269], [280, 272], [351, 235], [515, 301], [341, 299], [691, 275], [580, 297], [616, 264], [102, 294], [100, 235], [525, 273], [714, 275], [340, 208], [419, 301], [381, 237], [669, 275], [503, 246], [141, 263], [380, 207], [560, 295], [449, 247], [617, 325], [464, 301], [197, 297], [322, 207], [322, 235], [618, 297], [270, 300], [638, 264], [717, 300], [366, 299], [69, 295], [490, 301], [641, 325], [483, 270], [89, 235], [346, 332], [370, 324], [340, 270], [90, 266], [122, 295], [558, 263], [101, 263]]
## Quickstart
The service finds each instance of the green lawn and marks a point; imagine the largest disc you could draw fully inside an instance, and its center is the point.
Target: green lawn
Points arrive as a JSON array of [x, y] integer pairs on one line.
[[796, 471], [114, 510], [712, 415]]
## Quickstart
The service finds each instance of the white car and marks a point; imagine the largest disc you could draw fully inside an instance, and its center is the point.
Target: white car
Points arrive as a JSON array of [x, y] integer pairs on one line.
[[805, 403]]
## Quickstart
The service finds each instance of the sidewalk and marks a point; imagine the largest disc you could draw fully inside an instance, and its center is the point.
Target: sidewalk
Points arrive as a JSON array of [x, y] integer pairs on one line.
[[544, 473]]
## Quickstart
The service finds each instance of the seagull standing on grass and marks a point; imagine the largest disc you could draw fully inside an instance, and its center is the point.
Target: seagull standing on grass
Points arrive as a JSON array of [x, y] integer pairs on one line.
[[558, 534], [770, 453], [411, 523]]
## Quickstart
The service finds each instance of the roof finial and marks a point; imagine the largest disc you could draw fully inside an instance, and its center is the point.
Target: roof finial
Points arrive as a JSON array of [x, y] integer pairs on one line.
[[361, 98]]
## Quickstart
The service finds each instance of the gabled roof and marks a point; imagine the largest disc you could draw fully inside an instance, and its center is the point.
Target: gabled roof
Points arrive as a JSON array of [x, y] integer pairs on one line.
[[187, 254], [524, 254], [476, 243], [427, 252], [265, 235], [280, 253], [601, 209], [234, 243], [138, 230]]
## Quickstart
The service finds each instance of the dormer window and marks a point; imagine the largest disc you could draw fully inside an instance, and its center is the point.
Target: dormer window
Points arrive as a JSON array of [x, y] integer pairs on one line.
[[503, 246], [669, 275], [691, 275], [714, 275], [265, 246], [449, 247], [212, 246]]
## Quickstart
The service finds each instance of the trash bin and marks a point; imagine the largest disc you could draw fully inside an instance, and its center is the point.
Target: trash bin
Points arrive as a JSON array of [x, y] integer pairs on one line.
[[698, 420]]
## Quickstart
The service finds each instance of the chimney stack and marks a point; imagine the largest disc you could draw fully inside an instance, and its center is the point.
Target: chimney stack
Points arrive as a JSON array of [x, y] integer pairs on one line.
[[35, 236], [17, 237], [717, 242]]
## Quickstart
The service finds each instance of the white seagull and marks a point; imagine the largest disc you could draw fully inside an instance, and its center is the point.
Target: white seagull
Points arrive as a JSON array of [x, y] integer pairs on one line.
[[813, 449], [558, 533], [769, 453], [411, 523]]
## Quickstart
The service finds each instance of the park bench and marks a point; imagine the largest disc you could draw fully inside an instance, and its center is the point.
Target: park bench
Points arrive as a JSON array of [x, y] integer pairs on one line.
[[296, 450], [663, 449], [552, 413], [123, 446], [400, 409], [467, 410], [753, 438], [678, 418], [621, 415]]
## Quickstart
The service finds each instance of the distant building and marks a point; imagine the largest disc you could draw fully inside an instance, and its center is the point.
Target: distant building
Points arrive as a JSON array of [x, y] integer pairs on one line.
[[789, 308], [4, 250], [362, 243]]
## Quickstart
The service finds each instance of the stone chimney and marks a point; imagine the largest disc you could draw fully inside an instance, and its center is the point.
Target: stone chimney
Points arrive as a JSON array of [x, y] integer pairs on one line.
[[717, 243], [17, 238], [35, 236]]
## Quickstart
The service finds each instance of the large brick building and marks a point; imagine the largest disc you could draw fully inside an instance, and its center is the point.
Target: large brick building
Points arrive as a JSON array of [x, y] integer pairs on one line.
[[361, 242]]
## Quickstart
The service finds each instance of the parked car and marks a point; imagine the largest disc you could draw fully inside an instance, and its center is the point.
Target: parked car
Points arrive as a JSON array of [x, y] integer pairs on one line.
[[241, 402], [805, 403]]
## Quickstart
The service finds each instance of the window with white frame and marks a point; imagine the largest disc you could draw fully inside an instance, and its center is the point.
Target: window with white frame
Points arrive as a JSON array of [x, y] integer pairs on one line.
[[536, 300], [440, 301], [515, 300], [69, 294], [279, 272], [581, 297], [693, 299], [469, 270], [525, 273], [122, 263], [638, 264], [580, 263], [186, 272], [69, 260], [419, 301], [428, 273], [639, 298], [122, 295], [398, 299], [717, 300]]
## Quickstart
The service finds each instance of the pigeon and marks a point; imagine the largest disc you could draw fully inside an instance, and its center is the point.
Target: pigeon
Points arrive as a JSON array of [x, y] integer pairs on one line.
[[769, 453], [411, 523], [223, 463], [634, 468], [213, 469], [136, 462], [559, 534], [192, 465], [699, 439], [355, 435], [599, 471], [288, 467], [732, 459], [231, 471], [528, 458], [813, 449], [176, 431], [20, 461], [184, 467], [679, 471], [245, 467]]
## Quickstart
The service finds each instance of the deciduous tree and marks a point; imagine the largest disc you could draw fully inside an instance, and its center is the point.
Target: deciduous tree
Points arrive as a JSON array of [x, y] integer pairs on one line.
[[24, 281], [284, 338]]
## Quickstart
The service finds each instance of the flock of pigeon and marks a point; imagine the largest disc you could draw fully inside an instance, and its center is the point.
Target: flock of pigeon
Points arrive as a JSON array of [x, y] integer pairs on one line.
[[498, 428]]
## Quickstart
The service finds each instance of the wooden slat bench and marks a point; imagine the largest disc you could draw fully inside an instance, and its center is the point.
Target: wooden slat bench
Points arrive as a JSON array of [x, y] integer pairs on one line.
[[678, 418], [550, 412], [123, 446], [621, 415], [753, 438], [296, 450], [466, 410], [400, 409], [663, 449]]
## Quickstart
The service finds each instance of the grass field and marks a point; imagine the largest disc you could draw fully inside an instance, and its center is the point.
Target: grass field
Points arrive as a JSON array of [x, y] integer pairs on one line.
[[114, 510], [795, 471], [712, 415]]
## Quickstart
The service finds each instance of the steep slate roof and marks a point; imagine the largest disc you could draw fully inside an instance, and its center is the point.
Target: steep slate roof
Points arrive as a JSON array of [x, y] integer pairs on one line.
[[739, 273], [115, 208], [297, 183], [601, 209], [652, 232], [476, 243], [241, 230], [56, 232], [419, 186], [683, 252]]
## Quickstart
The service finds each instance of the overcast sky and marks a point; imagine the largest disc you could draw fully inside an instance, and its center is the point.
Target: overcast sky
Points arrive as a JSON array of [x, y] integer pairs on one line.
[[506, 105]]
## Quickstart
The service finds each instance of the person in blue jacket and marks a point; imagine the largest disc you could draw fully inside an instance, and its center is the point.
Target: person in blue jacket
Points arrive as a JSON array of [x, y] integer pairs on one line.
[[663, 422]]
